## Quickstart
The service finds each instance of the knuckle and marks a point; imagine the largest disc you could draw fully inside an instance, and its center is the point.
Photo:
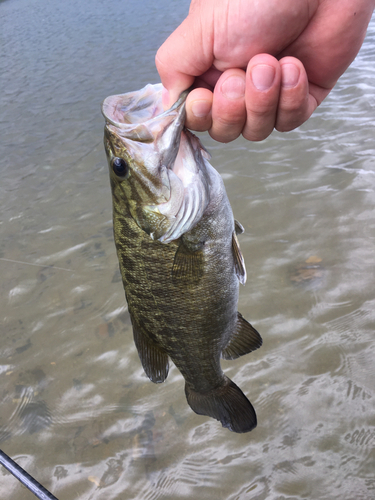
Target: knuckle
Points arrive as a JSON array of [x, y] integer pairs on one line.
[[225, 132], [258, 130], [292, 105], [226, 127], [256, 136], [262, 109], [290, 121]]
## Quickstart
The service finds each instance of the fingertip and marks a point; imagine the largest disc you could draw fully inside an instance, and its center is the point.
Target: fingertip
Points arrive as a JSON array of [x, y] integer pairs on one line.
[[263, 72], [201, 109], [263, 76], [263, 79], [228, 109], [295, 104], [198, 110], [232, 87], [290, 75]]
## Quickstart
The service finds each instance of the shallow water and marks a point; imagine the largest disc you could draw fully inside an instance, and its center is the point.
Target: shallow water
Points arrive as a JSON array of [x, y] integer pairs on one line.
[[77, 411]]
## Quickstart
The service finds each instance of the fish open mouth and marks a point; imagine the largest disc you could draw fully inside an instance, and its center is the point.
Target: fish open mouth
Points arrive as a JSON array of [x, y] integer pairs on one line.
[[175, 154], [139, 115]]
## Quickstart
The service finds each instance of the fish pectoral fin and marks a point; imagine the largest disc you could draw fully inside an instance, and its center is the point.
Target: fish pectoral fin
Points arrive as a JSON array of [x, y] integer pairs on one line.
[[245, 339], [226, 403], [154, 361], [188, 265], [239, 262], [238, 227]]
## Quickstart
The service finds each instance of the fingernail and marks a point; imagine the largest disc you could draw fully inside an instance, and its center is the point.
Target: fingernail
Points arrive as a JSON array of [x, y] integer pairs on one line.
[[201, 108], [233, 87], [263, 76], [289, 75]]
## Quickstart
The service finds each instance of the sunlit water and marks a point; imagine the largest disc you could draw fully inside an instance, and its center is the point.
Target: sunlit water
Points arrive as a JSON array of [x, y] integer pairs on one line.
[[76, 410]]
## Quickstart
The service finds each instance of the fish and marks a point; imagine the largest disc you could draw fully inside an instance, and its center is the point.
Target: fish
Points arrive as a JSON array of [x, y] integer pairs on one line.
[[178, 252]]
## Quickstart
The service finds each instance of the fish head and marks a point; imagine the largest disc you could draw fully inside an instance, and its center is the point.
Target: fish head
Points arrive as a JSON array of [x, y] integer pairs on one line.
[[142, 143]]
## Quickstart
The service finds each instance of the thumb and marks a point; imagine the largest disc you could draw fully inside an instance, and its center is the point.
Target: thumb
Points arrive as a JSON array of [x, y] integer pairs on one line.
[[181, 58]]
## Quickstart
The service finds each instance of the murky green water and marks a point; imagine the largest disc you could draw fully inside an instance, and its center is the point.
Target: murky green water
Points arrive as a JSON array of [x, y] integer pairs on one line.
[[76, 409]]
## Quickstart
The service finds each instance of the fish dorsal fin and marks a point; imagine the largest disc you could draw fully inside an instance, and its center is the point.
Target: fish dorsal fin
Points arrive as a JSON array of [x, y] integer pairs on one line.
[[245, 339], [154, 361], [188, 265], [239, 262]]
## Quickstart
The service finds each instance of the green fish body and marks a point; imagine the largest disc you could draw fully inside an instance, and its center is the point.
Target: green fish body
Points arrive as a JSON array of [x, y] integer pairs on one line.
[[178, 252]]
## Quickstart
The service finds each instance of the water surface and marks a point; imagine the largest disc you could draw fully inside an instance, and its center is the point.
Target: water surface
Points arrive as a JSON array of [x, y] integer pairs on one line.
[[77, 411]]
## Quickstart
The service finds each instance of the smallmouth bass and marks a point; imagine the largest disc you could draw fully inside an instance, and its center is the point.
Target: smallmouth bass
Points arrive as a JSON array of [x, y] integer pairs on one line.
[[178, 252]]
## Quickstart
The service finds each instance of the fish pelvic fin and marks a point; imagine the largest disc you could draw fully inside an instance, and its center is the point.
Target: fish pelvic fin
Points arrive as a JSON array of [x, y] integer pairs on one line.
[[245, 339], [155, 362], [227, 403]]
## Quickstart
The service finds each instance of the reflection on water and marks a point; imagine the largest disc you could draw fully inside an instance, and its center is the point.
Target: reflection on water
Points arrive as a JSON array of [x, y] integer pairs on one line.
[[76, 408]]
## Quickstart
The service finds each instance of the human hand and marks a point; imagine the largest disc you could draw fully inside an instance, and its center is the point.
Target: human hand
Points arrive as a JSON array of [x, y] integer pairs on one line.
[[258, 66]]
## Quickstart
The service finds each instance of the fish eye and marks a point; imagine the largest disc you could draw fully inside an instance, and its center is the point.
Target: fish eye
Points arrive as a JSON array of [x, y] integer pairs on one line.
[[120, 167]]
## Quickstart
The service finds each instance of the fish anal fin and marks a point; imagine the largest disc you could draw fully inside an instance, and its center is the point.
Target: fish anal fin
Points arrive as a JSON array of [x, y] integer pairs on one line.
[[245, 339], [154, 361], [239, 262], [227, 403], [188, 265]]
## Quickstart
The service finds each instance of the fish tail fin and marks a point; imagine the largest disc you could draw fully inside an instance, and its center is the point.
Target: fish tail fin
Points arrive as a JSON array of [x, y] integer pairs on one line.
[[227, 403]]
